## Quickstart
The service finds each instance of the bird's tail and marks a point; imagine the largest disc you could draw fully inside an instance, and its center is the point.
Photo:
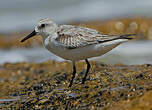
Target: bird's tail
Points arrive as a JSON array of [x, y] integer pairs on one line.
[[127, 36], [124, 36]]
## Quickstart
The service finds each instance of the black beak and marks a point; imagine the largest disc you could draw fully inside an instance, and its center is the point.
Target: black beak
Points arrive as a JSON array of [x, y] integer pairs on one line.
[[29, 36]]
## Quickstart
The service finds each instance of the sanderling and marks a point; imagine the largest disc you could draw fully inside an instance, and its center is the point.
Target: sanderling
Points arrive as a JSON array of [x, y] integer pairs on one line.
[[75, 43]]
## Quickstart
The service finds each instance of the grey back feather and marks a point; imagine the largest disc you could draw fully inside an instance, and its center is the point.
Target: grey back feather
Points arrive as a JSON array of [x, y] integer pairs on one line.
[[76, 37]]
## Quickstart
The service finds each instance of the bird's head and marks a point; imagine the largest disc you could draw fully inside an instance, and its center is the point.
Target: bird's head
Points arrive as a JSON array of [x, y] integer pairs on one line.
[[45, 27]]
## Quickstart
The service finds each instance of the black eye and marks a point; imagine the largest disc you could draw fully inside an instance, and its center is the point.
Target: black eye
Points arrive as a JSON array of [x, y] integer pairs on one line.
[[42, 25]]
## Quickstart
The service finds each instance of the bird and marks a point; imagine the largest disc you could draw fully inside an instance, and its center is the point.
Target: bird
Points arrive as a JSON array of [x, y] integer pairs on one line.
[[75, 43]]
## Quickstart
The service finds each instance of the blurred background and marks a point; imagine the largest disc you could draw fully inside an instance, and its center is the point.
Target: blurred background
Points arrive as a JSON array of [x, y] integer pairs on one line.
[[18, 18]]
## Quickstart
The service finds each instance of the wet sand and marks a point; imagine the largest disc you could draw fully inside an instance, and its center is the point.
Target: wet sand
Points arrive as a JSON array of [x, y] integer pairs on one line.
[[45, 85]]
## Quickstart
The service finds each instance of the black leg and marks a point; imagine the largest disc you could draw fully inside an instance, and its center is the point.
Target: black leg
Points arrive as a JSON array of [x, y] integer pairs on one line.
[[88, 67], [74, 72]]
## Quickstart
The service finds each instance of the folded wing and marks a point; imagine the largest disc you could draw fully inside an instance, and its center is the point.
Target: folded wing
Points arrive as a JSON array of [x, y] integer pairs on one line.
[[75, 37]]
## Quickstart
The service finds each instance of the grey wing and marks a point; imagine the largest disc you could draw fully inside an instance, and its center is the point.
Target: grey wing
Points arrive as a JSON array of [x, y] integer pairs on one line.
[[71, 41], [75, 37]]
